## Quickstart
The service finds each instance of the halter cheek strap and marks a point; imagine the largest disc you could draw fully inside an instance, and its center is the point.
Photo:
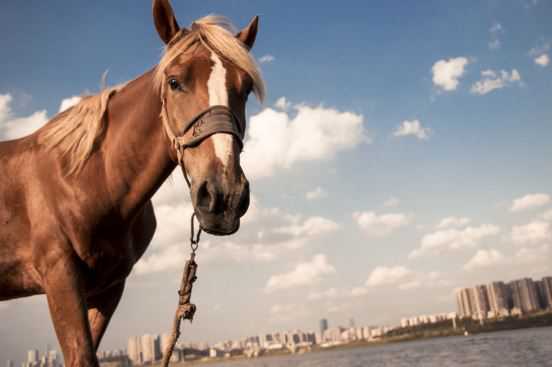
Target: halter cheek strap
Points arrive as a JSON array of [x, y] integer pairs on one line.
[[213, 120]]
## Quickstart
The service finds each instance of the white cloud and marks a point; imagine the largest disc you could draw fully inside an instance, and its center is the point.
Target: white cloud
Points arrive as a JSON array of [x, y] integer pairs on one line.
[[330, 293], [312, 226], [384, 275], [455, 222], [531, 233], [266, 234], [380, 225], [492, 80], [412, 128], [69, 102], [391, 202], [12, 127], [266, 59], [495, 32], [317, 193], [530, 201], [547, 215], [304, 274], [484, 259], [542, 60], [451, 239], [533, 255], [282, 104], [359, 291], [447, 73], [278, 140]]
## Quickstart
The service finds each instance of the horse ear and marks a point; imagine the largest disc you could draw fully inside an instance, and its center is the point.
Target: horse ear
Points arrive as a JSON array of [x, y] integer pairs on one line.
[[249, 33], [165, 21]]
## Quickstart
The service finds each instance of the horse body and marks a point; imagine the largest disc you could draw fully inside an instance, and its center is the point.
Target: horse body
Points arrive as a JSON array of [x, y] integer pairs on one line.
[[103, 217]]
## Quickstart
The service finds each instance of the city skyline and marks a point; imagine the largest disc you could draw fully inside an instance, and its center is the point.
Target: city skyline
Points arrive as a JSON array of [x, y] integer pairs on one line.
[[403, 151], [496, 300]]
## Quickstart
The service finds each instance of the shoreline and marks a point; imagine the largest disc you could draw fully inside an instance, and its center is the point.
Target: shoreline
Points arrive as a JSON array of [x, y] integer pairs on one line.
[[403, 335]]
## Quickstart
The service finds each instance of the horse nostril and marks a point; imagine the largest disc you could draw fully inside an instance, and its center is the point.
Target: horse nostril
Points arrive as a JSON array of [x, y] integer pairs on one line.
[[208, 198]]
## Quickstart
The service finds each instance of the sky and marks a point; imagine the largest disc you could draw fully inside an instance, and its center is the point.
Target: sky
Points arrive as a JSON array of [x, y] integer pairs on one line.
[[403, 152]]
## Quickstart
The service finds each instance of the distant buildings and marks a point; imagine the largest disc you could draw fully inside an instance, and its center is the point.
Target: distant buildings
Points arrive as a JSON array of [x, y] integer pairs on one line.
[[498, 299], [145, 349], [48, 359], [323, 326]]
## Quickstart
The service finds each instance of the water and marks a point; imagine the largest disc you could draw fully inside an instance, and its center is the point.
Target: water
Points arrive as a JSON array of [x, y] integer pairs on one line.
[[528, 347]]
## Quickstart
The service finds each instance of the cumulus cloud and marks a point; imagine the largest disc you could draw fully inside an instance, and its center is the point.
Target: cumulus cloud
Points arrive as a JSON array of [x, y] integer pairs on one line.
[[534, 255], [316, 194], [455, 222], [492, 80], [484, 259], [540, 54], [452, 239], [530, 201], [282, 104], [384, 275], [266, 59], [330, 293], [69, 102], [412, 128], [542, 60], [278, 140], [495, 32], [312, 226], [266, 234], [12, 127], [447, 72], [304, 274], [547, 215], [380, 225], [532, 233], [391, 202]]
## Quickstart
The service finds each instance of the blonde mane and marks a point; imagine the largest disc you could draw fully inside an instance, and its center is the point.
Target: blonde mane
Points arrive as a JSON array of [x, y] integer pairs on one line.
[[77, 131], [217, 34]]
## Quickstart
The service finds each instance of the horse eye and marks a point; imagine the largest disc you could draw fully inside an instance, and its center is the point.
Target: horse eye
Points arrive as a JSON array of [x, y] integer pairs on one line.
[[173, 83]]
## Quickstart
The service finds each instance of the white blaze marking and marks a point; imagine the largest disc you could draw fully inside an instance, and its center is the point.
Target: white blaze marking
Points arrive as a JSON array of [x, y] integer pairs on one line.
[[218, 96]]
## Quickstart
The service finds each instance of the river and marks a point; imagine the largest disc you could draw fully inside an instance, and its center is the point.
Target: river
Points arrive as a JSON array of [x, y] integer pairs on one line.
[[527, 347]]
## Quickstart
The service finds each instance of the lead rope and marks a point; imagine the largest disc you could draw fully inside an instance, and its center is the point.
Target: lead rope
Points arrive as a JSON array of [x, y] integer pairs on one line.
[[185, 310]]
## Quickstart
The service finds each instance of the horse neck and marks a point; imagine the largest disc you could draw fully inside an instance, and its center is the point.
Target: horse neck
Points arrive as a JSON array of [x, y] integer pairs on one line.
[[136, 148]]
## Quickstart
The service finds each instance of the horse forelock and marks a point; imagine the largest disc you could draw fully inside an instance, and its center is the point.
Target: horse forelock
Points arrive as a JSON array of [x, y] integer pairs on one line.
[[216, 33]]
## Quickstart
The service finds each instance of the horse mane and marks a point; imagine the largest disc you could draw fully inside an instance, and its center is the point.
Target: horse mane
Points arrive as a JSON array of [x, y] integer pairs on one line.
[[78, 130], [217, 34]]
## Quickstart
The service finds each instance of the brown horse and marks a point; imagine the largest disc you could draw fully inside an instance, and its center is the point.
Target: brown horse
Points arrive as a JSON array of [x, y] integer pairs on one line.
[[75, 209]]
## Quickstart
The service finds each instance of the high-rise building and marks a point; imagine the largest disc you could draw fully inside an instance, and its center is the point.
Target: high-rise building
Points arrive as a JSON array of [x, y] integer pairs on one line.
[[481, 301], [466, 302], [32, 357], [151, 348], [9, 363], [497, 293], [134, 350], [544, 288], [323, 327], [524, 295]]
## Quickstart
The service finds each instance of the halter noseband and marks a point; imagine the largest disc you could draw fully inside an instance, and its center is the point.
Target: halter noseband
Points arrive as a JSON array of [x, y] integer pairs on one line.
[[213, 120]]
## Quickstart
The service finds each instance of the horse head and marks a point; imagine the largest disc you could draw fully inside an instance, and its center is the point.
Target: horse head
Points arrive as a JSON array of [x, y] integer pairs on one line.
[[204, 78]]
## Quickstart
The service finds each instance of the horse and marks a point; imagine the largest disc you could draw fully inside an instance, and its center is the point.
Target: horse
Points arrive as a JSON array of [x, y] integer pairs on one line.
[[75, 196]]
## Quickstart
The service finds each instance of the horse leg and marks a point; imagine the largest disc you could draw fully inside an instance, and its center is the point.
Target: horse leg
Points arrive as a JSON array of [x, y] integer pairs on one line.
[[63, 283], [100, 310]]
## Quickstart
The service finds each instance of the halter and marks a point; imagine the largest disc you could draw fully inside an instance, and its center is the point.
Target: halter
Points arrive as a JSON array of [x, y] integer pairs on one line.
[[213, 120]]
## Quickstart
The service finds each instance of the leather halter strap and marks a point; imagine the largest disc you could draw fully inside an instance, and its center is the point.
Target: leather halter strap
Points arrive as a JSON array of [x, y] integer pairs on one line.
[[213, 120]]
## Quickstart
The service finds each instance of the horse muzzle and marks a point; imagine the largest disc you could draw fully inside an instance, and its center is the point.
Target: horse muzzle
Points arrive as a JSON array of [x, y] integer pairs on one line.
[[219, 210]]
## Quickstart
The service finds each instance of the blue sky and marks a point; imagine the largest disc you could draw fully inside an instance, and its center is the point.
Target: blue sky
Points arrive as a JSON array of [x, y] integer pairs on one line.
[[354, 73]]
